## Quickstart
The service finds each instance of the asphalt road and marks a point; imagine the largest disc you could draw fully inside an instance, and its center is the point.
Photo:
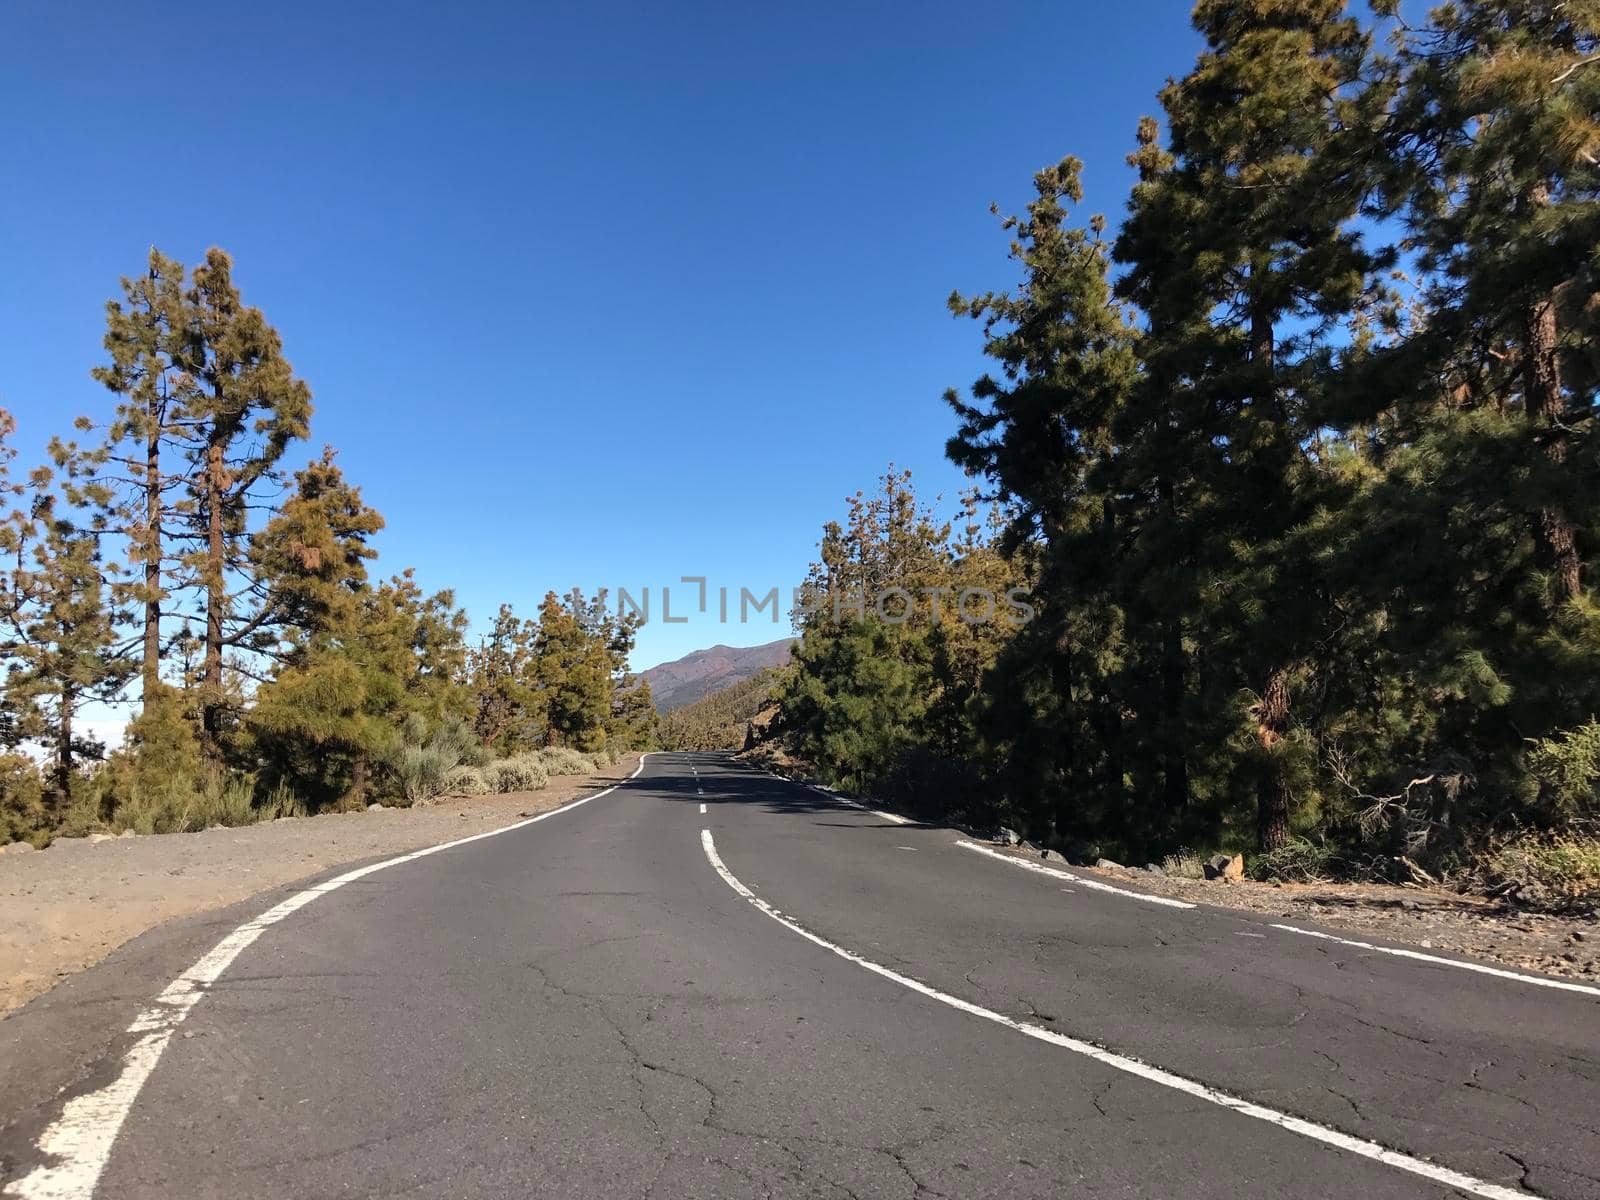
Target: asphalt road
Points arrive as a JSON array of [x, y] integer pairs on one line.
[[588, 1006]]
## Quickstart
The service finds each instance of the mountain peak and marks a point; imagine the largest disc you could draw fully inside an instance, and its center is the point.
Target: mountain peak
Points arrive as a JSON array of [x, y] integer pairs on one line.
[[701, 672]]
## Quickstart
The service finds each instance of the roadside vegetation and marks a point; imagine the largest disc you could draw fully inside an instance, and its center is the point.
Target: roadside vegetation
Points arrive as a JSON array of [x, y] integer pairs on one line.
[[1300, 465], [166, 552], [720, 721]]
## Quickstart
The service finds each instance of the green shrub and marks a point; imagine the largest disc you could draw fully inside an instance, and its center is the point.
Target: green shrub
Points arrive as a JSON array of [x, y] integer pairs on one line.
[[1567, 767], [81, 815], [563, 760], [179, 806], [164, 743], [281, 801], [524, 773], [23, 816], [1296, 861], [465, 780], [425, 756], [172, 808], [421, 770], [231, 803]]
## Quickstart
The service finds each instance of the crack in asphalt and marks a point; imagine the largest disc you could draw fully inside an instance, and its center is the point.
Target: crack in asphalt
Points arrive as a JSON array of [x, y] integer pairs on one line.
[[639, 1063]]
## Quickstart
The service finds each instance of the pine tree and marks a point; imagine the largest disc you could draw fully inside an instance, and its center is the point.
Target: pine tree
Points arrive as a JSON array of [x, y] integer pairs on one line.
[[15, 533], [327, 712], [1498, 128], [66, 639], [209, 407], [309, 561], [573, 672], [1241, 251], [246, 410], [130, 479], [634, 721], [508, 714], [885, 680], [1479, 406], [1043, 436]]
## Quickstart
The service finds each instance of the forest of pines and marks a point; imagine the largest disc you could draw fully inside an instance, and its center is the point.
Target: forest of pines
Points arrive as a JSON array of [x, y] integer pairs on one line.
[[167, 553], [1300, 462], [1297, 462]]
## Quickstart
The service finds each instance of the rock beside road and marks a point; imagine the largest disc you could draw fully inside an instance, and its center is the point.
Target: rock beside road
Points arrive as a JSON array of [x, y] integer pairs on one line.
[[1225, 867]]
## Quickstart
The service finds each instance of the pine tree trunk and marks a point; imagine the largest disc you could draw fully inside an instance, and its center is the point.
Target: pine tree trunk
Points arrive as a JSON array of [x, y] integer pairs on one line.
[[1067, 752], [1272, 720], [356, 797], [1272, 792], [1263, 348], [216, 584], [1175, 762], [64, 745], [152, 548], [1111, 727], [1557, 537], [1175, 766]]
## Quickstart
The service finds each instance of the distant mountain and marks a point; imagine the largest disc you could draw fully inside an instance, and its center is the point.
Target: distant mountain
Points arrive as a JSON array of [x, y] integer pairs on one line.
[[696, 675]]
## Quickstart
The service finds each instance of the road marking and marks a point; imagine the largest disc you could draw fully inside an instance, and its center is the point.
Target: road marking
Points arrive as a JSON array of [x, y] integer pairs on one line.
[[1168, 902], [1078, 879], [80, 1139], [1497, 972], [1132, 1066], [895, 818], [702, 810], [1560, 985]]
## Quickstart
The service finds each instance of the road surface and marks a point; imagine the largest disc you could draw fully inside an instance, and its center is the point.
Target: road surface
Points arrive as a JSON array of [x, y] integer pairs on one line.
[[709, 982]]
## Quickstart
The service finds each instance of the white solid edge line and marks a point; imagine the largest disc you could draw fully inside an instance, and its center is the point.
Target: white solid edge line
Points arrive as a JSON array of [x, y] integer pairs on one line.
[[1480, 968], [1078, 879], [896, 818], [1180, 1083], [80, 1139]]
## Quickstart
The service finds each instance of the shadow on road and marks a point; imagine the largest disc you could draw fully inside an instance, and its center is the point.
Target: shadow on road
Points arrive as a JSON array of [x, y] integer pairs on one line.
[[733, 783]]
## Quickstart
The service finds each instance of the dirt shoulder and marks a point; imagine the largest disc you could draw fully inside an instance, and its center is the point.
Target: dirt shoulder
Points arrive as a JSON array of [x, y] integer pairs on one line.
[[69, 906], [1426, 918]]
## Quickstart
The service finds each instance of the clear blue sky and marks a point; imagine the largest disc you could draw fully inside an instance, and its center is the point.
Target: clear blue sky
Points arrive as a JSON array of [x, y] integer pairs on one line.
[[587, 294]]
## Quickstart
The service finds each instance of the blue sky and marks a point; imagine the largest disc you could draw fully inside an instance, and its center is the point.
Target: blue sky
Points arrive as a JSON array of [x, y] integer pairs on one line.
[[587, 294]]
